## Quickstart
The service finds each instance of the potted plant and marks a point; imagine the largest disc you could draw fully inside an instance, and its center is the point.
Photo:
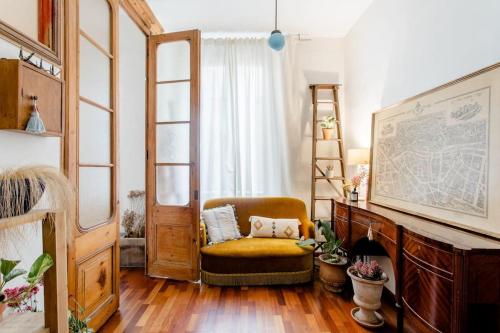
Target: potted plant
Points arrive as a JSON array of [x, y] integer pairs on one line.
[[8, 272], [77, 325], [331, 263], [368, 281], [327, 126], [22, 298], [329, 171], [132, 242]]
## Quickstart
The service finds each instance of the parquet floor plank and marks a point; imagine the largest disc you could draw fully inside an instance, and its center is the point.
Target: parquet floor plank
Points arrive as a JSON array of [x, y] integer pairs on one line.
[[156, 305]]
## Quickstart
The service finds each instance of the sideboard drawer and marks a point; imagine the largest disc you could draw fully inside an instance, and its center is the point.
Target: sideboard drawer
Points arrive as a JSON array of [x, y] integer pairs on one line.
[[379, 224], [428, 295], [428, 254]]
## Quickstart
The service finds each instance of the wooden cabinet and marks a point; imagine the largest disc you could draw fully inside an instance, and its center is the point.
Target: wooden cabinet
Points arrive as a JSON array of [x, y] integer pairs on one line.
[[447, 280], [19, 82]]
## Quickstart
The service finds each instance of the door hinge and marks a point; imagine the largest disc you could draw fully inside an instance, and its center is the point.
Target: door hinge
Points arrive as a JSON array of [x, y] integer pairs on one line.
[[196, 195], [147, 154]]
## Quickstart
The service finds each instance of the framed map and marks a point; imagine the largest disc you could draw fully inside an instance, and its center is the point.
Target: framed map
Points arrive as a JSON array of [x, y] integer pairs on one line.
[[437, 154]]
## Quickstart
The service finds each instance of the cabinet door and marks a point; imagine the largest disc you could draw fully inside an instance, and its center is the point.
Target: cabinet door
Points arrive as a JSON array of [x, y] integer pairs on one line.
[[427, 297]]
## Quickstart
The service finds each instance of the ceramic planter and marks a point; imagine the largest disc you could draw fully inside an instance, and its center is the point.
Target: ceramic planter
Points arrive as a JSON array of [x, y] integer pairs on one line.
[[332, 274], [132, 252], [367, 294], [327, 133], [330, 173]]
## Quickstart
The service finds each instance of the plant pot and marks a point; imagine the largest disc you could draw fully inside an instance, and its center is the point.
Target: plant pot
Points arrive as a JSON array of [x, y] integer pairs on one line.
[[332, 274], [330, 173], [327, 133], [367, 294], [18, 196], [132, 252]]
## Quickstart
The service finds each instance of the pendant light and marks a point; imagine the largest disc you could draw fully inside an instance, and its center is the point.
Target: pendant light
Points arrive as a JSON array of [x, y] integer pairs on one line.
[[276, 41]]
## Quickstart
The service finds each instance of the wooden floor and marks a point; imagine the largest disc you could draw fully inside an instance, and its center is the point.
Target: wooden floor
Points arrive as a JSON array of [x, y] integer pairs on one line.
[[156, 305]]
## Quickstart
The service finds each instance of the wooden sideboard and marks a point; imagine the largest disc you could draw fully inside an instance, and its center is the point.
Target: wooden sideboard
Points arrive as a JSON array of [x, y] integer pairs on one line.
[[447, 279]]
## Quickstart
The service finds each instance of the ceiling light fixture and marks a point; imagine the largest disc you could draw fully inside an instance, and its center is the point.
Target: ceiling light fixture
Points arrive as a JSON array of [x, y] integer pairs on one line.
[[276, 41]]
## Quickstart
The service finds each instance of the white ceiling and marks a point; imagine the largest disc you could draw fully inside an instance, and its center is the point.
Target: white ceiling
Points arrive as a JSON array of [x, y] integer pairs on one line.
[[318, 18]]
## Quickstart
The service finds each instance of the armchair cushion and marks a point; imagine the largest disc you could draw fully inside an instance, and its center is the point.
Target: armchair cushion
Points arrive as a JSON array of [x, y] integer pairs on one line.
[[256, 255]]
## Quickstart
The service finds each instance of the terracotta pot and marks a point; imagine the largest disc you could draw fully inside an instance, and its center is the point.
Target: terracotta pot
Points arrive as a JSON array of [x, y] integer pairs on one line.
[[332, 274], [327, 133], [367, 294]]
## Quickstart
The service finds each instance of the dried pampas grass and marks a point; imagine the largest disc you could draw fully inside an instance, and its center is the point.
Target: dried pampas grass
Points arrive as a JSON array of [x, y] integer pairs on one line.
[[21, 189]]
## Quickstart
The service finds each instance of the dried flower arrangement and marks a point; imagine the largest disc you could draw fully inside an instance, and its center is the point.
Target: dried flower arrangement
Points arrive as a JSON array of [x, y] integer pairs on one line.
[[134, 219], [368, 270]]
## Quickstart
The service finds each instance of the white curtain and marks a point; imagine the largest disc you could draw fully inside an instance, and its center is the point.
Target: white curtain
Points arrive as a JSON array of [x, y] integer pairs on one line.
[[244, 135]]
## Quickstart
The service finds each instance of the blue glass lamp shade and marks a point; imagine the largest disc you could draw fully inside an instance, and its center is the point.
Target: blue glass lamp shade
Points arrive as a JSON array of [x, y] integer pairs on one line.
[[276, 41]]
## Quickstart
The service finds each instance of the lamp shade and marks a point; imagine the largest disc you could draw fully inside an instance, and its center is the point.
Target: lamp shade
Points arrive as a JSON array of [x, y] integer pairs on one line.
[[276, 41], [358, 156]]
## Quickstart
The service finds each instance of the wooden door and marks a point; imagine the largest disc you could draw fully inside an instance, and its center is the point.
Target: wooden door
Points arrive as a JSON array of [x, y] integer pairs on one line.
[[173, 155], [91, 69]]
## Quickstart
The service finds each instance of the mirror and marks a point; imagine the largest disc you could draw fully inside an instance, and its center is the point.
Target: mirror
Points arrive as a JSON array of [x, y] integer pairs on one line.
[[34, 25]]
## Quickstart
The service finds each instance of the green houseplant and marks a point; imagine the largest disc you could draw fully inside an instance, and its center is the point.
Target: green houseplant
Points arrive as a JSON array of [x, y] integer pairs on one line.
[[8, 272], [327, 126], [22, 298], [332, 263], [77, 325]]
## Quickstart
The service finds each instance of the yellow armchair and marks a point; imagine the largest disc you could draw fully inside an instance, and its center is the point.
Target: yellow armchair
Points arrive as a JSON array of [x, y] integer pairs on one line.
[[258, 261]]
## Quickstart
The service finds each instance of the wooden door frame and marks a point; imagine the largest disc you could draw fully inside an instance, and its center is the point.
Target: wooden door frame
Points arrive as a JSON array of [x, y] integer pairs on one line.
[[194, 38], [77, 235]]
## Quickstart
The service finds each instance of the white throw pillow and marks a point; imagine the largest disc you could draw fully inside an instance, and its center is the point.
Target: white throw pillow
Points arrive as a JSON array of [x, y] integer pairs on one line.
[[221, 224], [274, 228]]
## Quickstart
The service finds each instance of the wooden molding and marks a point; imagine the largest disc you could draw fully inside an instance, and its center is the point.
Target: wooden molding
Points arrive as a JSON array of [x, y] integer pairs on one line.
[[140, 12]]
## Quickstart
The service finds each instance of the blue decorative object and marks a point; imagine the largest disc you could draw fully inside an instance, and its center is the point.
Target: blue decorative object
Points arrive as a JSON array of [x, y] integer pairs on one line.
[[35, 123], [276, 41]]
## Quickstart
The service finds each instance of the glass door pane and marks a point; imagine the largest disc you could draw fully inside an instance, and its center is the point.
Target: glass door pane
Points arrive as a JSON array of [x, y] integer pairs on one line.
[[173, 102], [172, 143], [173, 61], [172, 185]]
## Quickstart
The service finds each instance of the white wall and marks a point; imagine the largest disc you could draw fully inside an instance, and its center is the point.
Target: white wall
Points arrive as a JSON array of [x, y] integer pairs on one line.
[[19, 149], [22, 15], [320, 60], [132, 108], [398, 49]]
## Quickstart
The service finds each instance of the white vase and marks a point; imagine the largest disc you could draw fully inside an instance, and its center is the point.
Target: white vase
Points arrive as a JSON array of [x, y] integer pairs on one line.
[[330, 173], [367, 294]]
